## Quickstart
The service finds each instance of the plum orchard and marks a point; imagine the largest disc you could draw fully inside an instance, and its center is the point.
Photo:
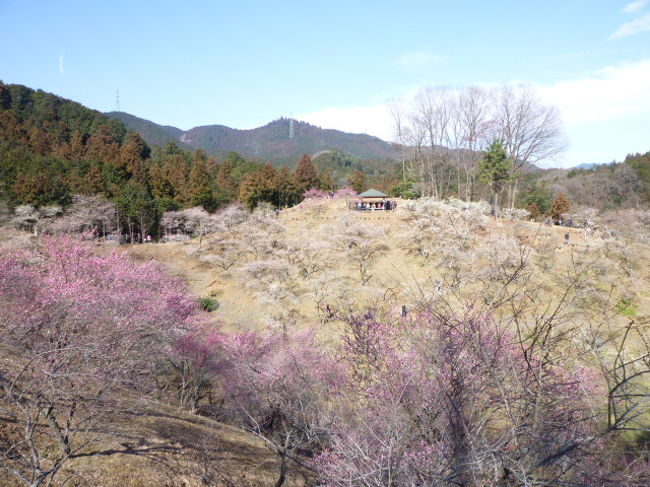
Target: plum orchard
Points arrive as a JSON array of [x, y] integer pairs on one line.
[[450, 396], [76, 328]]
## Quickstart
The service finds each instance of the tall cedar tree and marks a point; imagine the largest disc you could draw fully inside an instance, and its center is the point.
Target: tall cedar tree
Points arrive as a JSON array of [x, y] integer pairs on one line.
[[103, 147], [133, 154], [260, 186], [226, 184], [288, 194], [560, 205], [201, 181], [306, 176]]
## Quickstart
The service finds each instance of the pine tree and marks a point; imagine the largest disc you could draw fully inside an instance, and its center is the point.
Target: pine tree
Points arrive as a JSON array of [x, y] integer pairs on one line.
[[494, 170]]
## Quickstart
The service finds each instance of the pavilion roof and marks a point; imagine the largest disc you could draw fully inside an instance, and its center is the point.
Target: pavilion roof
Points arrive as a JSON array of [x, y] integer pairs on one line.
[[373, 193]]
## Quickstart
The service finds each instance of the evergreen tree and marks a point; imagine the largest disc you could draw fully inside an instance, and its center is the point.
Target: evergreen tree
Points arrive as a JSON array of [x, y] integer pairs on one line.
[[5, 97], [77, 145], [306, 176], [260, 186], [201, 182], [559, 207], [538, 195], [137, 210], [103, 147], [494, 170], [226, 184], [287, 192], [133, 154], [327, 180]]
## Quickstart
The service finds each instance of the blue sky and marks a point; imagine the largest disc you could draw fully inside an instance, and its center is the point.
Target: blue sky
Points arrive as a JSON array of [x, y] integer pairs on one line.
[[335, 63]]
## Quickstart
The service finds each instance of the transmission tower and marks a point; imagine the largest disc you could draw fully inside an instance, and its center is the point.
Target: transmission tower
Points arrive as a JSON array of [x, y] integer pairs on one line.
[[117, 101], [291, 130]]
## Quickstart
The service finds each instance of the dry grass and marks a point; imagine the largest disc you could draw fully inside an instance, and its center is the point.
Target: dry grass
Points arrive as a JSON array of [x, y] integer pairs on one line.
[[160, 447], [399, 275], [156, 446]]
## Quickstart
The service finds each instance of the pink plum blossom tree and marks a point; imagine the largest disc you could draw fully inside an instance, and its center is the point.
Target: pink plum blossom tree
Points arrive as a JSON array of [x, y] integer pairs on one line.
[[75, 328]]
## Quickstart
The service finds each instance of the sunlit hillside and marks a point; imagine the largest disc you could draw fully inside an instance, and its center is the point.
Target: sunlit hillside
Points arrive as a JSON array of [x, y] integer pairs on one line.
[[321, 254]]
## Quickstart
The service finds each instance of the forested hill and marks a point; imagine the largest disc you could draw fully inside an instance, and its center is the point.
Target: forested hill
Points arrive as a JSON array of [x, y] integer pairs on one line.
[[152, 133], [52, 150], [51, 147], [270, 142]]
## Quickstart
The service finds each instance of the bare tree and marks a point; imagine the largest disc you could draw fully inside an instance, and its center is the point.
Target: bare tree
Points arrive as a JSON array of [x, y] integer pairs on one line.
[[471, 122], [531, 131], [448, 128]]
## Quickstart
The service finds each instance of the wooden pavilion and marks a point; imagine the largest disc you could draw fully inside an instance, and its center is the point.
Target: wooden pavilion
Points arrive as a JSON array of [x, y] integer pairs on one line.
[[373, 200]]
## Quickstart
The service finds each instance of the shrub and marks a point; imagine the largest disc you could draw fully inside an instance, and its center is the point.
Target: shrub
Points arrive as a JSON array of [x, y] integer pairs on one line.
[[208, 304]]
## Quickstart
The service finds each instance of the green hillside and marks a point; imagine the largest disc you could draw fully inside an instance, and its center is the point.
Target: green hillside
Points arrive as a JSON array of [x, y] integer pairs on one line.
[[270, 142], [152, 133]]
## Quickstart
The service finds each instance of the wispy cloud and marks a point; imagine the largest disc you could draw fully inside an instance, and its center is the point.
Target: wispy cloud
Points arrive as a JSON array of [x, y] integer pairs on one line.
[[634, 7], [61, 68], [642, 24], [419, 59]]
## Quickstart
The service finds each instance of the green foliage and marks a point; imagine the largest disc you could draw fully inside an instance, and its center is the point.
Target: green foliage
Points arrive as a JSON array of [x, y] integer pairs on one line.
[[538, 195], [627, 308], [339, 166], [153, 134], [404, 189], [641, 164], [494, 168], [137, 209], [208, 304], [51, 148]]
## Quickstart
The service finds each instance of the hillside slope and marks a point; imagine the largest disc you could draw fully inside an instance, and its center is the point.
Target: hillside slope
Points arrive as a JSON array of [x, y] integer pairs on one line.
[[153, 445], [414, 261], [152, 133], [270, 142]]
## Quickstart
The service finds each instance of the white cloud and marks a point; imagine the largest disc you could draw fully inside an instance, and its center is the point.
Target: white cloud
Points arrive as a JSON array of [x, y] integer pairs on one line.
[[605, 113], [372, 120], [61, 70], [611, 94], [634, 7], [642, 24], [419, 59]]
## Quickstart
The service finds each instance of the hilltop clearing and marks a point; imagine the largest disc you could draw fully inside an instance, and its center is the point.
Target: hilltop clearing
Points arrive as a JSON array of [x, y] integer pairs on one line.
[[318, 259]]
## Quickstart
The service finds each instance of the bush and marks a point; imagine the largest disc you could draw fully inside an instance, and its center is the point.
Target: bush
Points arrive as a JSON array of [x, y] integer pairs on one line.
[[208, 304]]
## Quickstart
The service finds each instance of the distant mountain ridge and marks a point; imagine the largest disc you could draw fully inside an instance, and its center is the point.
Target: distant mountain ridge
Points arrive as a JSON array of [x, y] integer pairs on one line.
[[271, 142]]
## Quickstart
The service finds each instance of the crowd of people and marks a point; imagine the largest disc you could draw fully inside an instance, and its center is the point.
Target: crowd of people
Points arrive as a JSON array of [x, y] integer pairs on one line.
[[373, 205]]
